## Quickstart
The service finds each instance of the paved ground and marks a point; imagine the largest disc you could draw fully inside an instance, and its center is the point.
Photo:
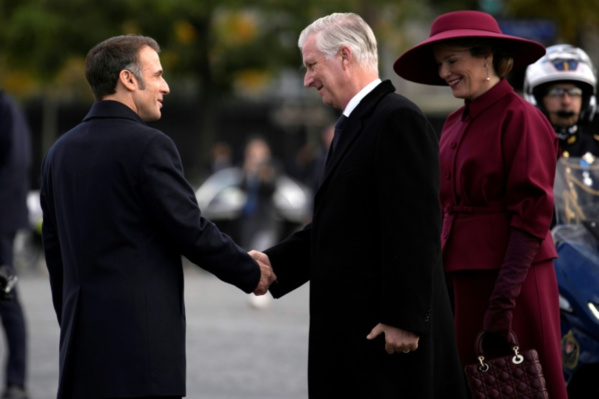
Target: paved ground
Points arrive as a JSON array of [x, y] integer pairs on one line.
[[234, 351]]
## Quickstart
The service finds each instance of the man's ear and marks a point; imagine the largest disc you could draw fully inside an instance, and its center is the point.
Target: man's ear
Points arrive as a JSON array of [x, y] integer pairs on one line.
[[346, 56], [128, 80]]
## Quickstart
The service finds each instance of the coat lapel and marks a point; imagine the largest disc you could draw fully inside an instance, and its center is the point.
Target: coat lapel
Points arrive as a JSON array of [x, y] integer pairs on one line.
[[353, 128]]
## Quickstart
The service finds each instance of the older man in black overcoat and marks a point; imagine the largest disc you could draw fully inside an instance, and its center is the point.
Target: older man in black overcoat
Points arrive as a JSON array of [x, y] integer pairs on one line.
[[380, 318]]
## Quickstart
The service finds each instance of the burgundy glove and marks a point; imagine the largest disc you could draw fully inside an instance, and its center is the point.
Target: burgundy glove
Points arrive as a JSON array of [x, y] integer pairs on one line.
[[521, 250]]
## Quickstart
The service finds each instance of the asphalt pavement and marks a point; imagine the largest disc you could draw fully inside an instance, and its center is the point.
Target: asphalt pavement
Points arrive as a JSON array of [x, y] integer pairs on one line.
[[234, 350]]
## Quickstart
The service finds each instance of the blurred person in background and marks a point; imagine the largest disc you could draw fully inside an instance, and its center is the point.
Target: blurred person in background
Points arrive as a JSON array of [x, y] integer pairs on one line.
[[15, 167], [380, 318], [259, 226], [118, 216], [498, 158], [310, 158], [220, 157], [562, 84]]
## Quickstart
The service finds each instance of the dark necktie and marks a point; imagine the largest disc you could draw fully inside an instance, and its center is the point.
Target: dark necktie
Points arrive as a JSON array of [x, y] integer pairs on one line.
[[336, 136], [338, 128]]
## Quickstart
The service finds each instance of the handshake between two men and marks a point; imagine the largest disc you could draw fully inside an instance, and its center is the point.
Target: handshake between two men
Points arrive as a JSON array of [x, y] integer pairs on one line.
[[267, 275]]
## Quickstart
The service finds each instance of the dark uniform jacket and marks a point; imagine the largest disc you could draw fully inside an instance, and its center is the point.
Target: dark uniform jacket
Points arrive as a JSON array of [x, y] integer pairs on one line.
[[15, 164], [372, 255], [118, 215], [585, 140]]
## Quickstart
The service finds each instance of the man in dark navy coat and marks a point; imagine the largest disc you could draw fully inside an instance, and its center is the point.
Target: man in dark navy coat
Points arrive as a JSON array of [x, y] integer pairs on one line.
[[380, 320], [118, 215], [15, 166]]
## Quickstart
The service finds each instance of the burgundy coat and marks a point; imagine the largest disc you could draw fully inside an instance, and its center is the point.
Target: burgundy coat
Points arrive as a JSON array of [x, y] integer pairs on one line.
[[498, 157]]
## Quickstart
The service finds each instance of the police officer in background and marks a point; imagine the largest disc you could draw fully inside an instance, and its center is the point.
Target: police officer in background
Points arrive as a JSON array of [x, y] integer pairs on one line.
[[562, 84], [15, 164]]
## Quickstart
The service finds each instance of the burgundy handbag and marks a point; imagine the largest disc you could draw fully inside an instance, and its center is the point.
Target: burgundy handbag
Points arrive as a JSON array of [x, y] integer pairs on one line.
[[516, 376]]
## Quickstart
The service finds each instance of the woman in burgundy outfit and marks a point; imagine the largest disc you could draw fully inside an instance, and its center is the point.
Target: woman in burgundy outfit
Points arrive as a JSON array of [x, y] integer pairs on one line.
[[498, 156]]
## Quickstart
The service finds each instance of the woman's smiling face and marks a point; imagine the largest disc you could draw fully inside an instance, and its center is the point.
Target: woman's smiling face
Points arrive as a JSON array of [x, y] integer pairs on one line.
[[464, 73]]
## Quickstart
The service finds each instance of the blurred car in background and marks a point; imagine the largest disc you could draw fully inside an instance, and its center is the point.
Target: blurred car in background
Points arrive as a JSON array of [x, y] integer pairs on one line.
[[28, 249], [222, 199]]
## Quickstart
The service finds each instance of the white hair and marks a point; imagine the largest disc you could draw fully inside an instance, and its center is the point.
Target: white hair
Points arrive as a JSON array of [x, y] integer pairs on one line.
[[344, 29]]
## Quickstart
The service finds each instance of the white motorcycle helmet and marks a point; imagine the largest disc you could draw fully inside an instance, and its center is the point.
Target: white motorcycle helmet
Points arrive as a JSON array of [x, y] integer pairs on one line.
[[563, 63]]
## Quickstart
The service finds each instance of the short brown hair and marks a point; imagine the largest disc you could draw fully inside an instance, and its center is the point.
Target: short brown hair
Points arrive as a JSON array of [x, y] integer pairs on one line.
[[106, 60]]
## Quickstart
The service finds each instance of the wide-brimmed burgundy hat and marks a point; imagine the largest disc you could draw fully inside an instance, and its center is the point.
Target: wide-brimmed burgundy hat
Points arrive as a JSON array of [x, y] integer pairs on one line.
[[418, 63]]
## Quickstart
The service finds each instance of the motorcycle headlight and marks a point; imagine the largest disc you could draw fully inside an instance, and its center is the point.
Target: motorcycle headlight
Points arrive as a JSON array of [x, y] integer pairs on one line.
[[594, 310], [564, 304]]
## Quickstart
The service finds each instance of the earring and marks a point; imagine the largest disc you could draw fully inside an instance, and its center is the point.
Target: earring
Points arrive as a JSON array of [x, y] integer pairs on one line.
[[488, 77]]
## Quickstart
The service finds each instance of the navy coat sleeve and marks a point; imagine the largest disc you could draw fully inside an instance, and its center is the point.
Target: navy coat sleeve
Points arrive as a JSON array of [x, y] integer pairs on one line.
[[172, 203], [53, 256]]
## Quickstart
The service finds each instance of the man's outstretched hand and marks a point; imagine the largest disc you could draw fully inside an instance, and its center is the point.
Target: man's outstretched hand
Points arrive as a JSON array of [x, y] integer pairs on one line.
[[267, 275]]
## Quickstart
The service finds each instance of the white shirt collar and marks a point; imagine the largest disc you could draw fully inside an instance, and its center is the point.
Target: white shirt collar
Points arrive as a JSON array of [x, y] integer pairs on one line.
[[353, 103]]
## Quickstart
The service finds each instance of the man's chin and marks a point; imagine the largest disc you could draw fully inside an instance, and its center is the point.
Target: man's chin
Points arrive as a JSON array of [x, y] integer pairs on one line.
[[327, 101], [152, 117]]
